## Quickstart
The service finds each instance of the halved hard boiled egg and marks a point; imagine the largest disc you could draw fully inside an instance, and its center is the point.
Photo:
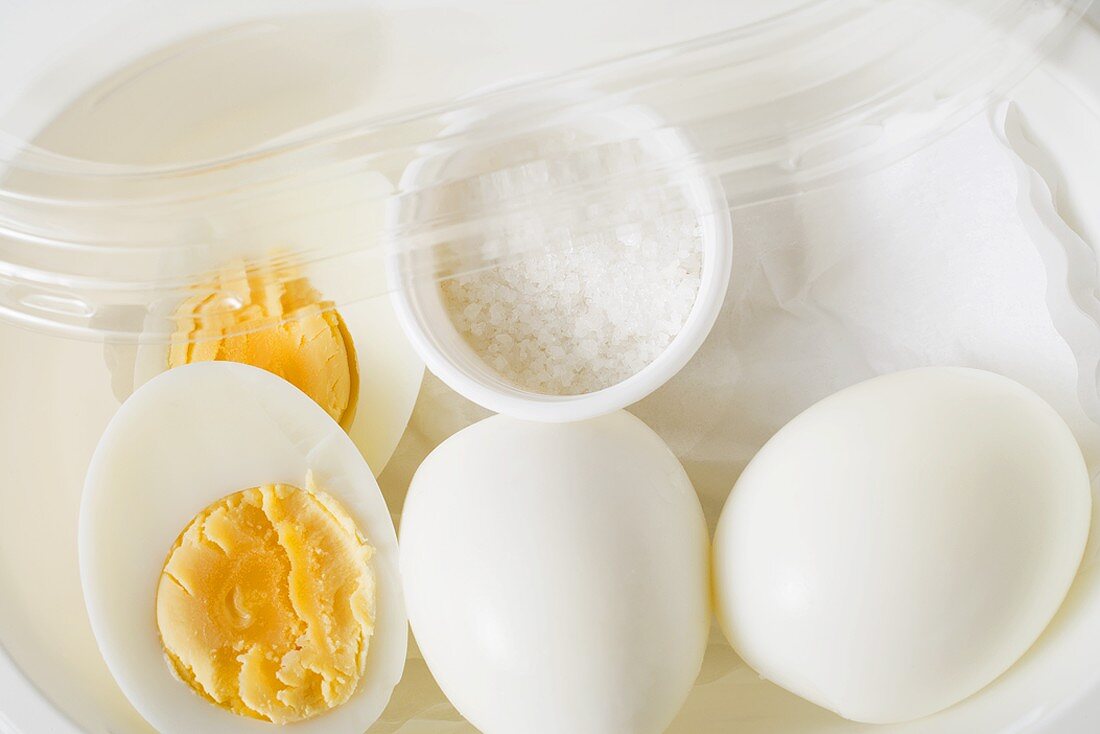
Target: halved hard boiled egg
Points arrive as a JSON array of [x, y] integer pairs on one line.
[[238, 561], [277, 290], [353, 360]]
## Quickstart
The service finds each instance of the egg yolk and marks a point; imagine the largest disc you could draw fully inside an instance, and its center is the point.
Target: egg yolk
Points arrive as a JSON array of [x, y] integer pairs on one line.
[[266, 603], [268, 318]]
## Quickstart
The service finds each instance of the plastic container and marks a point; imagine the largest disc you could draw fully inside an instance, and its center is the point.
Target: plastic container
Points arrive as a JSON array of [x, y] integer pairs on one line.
[[145, 147], [421, 310]]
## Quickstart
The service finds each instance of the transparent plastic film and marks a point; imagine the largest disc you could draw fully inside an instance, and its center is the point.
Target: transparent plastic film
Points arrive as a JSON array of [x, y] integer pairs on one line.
[[348, 209]]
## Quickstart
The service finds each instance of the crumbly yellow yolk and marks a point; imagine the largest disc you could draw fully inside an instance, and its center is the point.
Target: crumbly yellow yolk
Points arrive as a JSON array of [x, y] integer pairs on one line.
[[268, 318], [266, 603]]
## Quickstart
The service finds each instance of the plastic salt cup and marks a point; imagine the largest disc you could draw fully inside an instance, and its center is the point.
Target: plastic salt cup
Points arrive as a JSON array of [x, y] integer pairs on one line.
[[430, 325]]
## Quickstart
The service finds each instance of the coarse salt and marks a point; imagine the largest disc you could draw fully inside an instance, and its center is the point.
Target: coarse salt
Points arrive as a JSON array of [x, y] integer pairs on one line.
[[588, 315]]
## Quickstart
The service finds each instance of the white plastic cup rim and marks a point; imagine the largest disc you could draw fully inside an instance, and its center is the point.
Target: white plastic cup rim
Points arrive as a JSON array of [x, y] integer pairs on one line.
[[428, 327]]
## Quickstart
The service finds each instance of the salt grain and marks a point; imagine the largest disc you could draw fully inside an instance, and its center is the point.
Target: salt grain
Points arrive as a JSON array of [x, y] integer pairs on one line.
[[575, 317], [603, 311]]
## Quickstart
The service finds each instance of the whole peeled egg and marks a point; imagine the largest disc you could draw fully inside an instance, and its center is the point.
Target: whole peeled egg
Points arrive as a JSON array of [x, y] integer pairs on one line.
[[899, 545], [556, 576]]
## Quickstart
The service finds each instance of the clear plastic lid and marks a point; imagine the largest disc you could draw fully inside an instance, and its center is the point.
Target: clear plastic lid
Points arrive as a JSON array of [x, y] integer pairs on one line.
[[142, 156]]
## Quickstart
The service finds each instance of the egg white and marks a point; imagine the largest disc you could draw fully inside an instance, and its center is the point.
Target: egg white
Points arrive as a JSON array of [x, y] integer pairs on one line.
[[184, 440]]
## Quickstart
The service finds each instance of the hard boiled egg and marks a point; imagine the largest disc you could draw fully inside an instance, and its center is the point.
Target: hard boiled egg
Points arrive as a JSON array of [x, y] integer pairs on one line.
[[556, 576], [292, 284], [382, 371], [899, 545], [183, 442]]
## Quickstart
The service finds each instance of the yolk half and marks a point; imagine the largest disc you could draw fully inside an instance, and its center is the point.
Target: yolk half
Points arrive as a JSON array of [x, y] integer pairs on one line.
[[268, 318], [266, 603]]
